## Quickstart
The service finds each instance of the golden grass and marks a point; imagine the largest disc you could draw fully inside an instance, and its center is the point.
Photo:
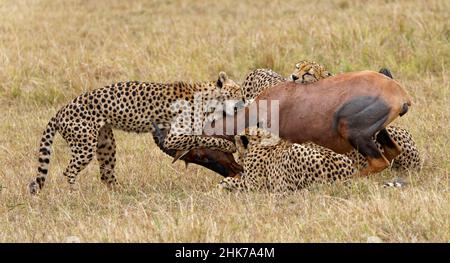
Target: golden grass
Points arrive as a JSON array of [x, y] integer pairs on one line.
[[51, 51]]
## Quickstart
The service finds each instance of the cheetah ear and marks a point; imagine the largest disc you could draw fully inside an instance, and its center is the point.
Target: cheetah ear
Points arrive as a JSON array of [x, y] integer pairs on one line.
[[222, 78], [244, 141]]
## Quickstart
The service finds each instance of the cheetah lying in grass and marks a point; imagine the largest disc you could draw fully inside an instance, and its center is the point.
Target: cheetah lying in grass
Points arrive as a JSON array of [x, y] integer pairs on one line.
[[276, 165]]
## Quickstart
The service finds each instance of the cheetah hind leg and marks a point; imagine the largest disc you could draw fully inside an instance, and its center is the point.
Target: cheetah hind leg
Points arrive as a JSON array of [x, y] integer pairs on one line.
[[106, 156], [82, 155]]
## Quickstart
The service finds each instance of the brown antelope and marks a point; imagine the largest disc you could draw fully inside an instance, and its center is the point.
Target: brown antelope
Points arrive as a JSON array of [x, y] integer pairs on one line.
[[341, 112]]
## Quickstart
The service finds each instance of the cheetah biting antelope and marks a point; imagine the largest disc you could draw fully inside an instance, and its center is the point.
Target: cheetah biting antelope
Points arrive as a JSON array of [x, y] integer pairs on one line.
[[87, 122]]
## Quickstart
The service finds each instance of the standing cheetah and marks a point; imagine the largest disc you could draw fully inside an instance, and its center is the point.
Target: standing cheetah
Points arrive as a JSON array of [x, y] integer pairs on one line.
[[87, 122]]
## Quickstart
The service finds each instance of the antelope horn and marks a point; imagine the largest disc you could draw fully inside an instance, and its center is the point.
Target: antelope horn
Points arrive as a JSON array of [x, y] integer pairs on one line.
[[179, 155]]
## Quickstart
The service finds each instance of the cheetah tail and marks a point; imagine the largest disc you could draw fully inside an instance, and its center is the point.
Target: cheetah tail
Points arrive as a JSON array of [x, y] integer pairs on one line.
[[44, 156]]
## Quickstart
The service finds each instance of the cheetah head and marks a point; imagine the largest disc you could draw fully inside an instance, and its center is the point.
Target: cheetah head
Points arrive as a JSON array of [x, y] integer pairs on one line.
[[231, 98], [308, 72], [253, 137]]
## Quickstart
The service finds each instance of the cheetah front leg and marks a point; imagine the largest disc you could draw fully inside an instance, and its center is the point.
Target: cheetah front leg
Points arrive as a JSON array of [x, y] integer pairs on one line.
[[184, 143], [232, 184]]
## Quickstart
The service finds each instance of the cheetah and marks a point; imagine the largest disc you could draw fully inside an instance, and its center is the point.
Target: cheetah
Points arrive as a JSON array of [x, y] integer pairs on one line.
[[275, 165], [260, 79], [309, 71], [87, 122], [257, 81]]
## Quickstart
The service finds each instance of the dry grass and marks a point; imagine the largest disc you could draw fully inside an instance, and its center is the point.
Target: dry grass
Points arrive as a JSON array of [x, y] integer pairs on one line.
[[50, 51]]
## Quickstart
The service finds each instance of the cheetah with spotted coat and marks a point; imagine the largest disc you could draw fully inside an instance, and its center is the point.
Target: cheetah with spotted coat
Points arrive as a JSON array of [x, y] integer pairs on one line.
[[275, 165], [308, 72], [257, 81], [87, 122]]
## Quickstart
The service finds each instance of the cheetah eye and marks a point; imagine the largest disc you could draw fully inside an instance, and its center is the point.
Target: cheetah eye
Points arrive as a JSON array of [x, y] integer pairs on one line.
[[297, 66]]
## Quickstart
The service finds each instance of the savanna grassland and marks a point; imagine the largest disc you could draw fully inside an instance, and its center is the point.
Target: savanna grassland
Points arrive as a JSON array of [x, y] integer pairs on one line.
[[51, 51]]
